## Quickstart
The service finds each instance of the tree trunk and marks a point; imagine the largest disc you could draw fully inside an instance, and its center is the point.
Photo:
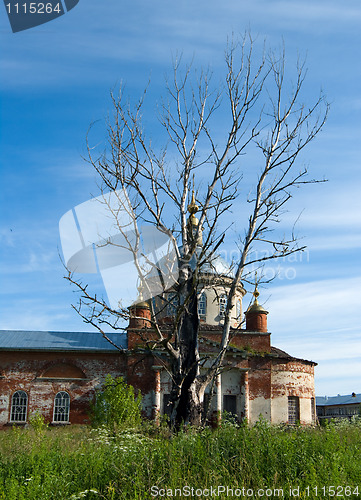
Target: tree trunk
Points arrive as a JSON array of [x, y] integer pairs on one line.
[[184, 399]]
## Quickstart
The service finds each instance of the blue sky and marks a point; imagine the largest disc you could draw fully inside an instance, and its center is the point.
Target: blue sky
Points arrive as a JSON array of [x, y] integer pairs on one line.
[[55, 81]]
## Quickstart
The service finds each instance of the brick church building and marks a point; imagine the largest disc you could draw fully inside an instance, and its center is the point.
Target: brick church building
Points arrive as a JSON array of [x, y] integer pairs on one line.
[[57, 373]]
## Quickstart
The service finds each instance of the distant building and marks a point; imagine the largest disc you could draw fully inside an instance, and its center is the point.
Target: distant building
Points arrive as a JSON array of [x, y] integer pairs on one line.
[[338, 406]]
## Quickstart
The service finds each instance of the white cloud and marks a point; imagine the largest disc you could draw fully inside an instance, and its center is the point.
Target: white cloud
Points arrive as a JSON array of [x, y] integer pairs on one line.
[[338, 377], [325, 12], [316, 303], [91, 35], [325, 213], [326, 347], [38, 319], [342, 368], [320, 321], [334, 241], [7, 237]]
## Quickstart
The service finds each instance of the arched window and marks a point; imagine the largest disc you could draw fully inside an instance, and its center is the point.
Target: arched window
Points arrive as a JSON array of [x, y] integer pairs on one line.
[[19, 406], [222, 304], [202, 306], [61, 407]]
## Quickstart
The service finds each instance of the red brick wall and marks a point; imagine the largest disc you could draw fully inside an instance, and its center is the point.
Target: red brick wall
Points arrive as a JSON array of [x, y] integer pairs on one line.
[[258, 342], [296, 379], [259, 378], [42, 375], [256, 322]]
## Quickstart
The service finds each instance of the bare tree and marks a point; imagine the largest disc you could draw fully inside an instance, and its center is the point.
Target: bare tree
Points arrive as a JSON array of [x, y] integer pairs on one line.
[[265, 114]]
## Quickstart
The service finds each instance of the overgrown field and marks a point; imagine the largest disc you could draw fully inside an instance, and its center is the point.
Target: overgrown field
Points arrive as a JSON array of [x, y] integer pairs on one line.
[[259, 462]]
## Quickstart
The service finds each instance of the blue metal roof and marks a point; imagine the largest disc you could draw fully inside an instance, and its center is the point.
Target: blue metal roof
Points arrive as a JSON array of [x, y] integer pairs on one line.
[[11, 340], [338, 400]]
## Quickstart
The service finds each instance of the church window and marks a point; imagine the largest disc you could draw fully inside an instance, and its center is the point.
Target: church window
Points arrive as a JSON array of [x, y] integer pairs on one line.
[[167, 410], [202, 304], [313, 409], [61, 407], [230, 405], [19, 406], [222, 305], [293, 409]]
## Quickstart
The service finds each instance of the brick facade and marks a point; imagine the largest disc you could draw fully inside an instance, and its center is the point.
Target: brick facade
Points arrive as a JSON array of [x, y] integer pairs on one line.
[[257, 379]]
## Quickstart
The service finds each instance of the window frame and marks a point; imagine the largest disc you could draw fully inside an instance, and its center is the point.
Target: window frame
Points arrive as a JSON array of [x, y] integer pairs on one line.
[[57, 406], [293, 419], [13, 405], [202, 305], [222, 302]]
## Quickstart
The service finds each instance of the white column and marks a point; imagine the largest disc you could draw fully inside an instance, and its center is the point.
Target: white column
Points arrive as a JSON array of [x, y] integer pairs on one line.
[[156, 406], [246, 396]]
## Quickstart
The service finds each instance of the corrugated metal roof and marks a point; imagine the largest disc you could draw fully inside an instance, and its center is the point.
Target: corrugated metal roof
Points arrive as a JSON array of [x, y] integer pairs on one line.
[[338, 400], [59, 341]]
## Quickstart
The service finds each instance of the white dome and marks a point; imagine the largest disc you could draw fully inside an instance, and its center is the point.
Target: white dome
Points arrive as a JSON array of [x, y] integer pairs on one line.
[[217, 266]]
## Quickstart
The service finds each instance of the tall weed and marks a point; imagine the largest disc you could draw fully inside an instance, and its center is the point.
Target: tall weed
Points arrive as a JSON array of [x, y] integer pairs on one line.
[[81, 462]]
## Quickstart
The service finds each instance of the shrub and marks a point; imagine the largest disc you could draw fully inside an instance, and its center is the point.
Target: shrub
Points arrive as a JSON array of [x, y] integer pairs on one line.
[[116, 405], [37, 422]]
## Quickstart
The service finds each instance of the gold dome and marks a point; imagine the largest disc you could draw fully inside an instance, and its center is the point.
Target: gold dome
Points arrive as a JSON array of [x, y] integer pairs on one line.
[[256, 307], [142, 303], [193, 209], [193, 221]]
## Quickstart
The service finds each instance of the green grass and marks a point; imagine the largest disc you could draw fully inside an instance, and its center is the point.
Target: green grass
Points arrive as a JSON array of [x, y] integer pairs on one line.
[[67, 463]]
